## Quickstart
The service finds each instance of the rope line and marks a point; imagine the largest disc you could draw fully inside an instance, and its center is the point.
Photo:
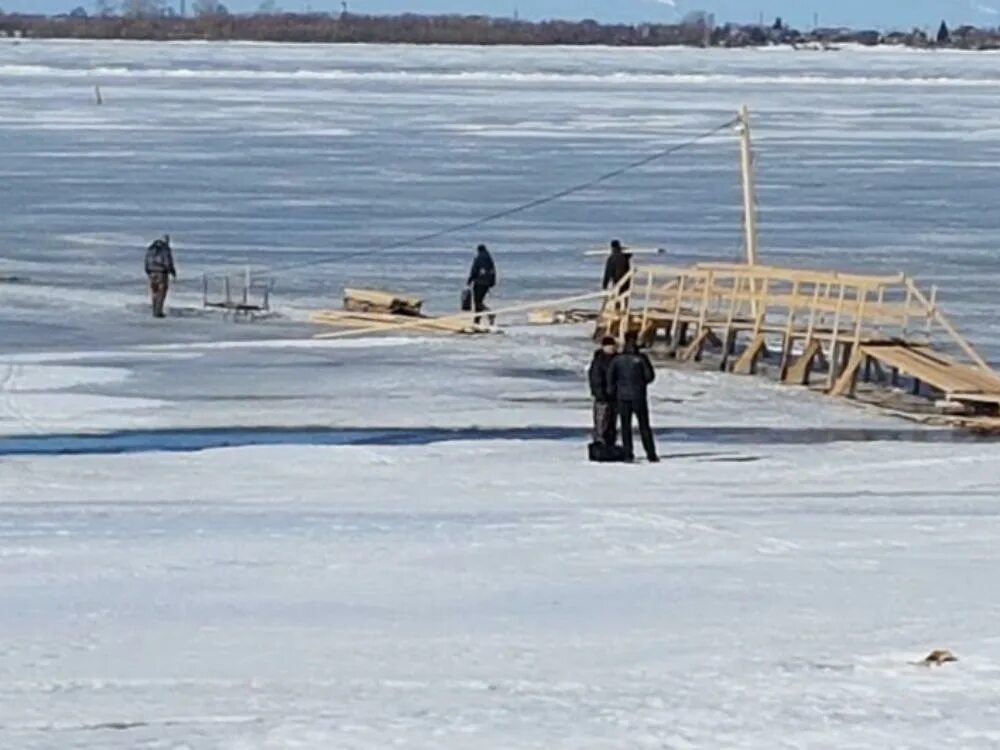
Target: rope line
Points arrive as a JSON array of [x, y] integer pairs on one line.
[[521, 208]]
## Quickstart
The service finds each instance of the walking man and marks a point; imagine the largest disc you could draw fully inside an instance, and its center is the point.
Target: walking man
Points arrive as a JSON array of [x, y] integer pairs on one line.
[[605, 431], [159, 270], [629, 376], [482, 278]]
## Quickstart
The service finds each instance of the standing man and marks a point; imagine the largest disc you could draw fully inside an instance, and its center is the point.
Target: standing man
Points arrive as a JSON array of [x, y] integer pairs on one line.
[[159, 270], [604, 409], [482, 278], [618, 265], [629, 376]]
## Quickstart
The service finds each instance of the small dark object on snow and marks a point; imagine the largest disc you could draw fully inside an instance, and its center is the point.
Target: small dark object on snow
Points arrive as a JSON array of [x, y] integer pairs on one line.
[[939, 656], [603, 453]]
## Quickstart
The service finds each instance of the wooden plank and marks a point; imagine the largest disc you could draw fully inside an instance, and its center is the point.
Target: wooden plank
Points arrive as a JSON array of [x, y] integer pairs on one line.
[[798, 371], [945, 376], [468, 316], [384, 321], [745, 365], [834, 337], [848, 378], [693, 351]]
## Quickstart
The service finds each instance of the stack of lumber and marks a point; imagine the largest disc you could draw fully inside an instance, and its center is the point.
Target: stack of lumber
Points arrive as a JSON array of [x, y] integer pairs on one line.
[[545, 317], [376, 301]]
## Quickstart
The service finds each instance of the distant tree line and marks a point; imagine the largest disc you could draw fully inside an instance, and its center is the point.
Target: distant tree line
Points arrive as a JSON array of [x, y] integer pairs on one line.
[[210, 20]]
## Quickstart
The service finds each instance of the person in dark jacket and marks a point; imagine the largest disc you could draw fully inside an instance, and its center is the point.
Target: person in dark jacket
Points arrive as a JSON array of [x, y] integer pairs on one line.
[[618, 265], [605, 431], [159, 270], [482, 278], [629, 375]]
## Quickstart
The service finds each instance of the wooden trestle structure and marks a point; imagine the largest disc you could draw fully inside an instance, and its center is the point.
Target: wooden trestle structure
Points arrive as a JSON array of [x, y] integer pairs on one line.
[[881, 330], [880, 339]]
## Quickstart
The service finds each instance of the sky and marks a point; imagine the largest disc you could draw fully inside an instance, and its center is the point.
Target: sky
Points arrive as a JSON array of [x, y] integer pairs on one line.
[[799, 13]]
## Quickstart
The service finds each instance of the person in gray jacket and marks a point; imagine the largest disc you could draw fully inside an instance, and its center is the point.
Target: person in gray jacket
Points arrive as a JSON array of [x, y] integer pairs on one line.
[[159, 270], [629, 376]]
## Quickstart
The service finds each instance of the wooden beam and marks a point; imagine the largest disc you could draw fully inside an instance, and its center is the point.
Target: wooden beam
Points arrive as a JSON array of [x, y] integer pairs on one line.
[[693, 351], [747, 363], [413, 323], [798, 372], [964, 345], [848, 378]]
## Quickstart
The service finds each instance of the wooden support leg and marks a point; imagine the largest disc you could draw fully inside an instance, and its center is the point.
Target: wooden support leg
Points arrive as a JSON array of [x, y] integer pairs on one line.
[[678, 341], [694, 350], [798, 373], [849, 376], [786, 355], [747, 363], [728, 347]]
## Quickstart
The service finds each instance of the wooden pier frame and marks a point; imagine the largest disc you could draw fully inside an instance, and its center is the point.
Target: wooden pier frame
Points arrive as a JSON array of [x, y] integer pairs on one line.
[[853, 325]]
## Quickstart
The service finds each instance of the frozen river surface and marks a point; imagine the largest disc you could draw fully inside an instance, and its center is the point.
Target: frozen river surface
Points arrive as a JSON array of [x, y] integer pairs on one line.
[[236, 537]]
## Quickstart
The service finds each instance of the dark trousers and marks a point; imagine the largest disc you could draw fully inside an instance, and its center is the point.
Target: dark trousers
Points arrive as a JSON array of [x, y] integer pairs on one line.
[[479, 292], [641, 411], [605, 430], [159, 285]]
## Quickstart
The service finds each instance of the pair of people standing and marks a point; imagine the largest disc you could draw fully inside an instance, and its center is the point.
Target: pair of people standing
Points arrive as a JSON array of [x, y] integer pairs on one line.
[[619, 382]]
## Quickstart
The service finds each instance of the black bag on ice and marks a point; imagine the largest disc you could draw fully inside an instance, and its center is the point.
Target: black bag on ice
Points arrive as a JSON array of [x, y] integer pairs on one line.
[[605, 454], [466, 300]]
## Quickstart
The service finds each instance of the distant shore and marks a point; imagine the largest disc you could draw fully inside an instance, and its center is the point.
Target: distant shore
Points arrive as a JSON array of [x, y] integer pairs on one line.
[[696, 31]]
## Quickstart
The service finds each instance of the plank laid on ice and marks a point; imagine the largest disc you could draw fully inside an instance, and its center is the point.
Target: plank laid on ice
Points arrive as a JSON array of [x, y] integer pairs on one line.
[[388, 321], [468, 318]]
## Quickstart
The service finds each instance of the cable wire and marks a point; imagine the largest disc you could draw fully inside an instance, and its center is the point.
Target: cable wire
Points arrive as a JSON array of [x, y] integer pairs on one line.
[[514, 210]]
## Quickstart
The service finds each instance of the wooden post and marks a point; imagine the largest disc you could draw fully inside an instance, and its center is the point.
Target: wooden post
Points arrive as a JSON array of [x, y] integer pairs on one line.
[[703, 313], [729, 339], [675, 324], [812, 315], [906, 310], [786, 344], [860, 312], [930, 313], [625, 322], [746, 167], [749, 201], [833, 337], [645, 306]]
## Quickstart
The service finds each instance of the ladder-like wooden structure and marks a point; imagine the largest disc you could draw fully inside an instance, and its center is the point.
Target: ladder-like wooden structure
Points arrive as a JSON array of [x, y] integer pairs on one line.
[[882, 330]]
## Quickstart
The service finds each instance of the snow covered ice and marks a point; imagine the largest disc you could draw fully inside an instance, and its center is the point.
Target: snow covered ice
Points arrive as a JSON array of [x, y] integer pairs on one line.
[[400, 543]]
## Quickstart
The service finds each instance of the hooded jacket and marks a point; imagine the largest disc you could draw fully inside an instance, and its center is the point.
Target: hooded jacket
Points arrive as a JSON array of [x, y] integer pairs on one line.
[[484, 271]]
